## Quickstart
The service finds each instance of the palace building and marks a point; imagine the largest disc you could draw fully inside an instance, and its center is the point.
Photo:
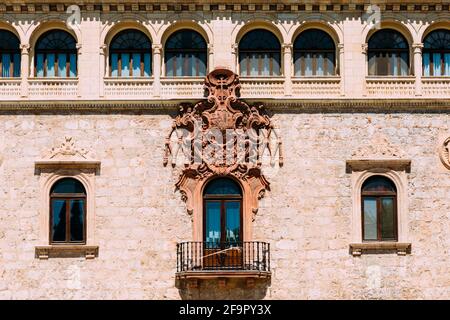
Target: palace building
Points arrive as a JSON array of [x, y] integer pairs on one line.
[[225, 149]]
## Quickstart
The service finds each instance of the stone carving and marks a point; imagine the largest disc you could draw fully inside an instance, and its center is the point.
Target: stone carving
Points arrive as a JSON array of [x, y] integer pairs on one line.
[[378, 148], [67, 149], [444, 152], [222, 136]]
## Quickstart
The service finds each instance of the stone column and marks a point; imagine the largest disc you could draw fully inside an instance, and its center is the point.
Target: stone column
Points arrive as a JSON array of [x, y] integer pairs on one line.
[[157, 69], [80, 79], [104, 63], [341, 67], [287, 68], [417, 47], [364, 49], [210, 58], [24, 69], [234, 52]]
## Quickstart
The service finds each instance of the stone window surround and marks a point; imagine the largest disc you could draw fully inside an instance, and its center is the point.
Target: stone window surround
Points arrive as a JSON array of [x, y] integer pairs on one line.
[[50, 172], [395, 170]]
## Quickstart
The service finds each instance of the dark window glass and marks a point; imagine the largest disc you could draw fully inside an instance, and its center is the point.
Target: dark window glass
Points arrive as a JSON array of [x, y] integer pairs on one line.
[[68, 212], [9, 55], [436, 54], [388, 54], [314, 54], [130, 54], [185, 54], [379, 209], [223, 213], [56, 55], [259, 54]]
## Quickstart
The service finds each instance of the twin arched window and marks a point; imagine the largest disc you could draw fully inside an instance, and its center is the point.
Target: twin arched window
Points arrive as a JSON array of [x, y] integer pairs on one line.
[[56, 55], [388, 54], [130, 54], [436, 53], [9, 55], [185, 54], [68, 212], [379, 209], [314, 54]]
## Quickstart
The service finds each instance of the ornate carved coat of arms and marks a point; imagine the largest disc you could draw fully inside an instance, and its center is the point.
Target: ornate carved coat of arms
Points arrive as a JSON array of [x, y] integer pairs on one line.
[[444, 152], [222, 136]]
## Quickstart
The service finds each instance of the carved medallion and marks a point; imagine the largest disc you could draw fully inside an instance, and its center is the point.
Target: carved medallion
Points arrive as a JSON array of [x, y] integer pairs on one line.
[[222, 136], [444, 152]]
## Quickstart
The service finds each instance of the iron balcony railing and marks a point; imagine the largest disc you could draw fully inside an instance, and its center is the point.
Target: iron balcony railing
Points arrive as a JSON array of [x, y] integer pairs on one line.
[[230, 256]]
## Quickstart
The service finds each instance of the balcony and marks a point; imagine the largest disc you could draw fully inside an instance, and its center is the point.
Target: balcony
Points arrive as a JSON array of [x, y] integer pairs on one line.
[[262, 87], [206, 260], [390, 87], [10, 88], [182, 88], [128, 88], [438, 87], [316, 87], [52, 88]]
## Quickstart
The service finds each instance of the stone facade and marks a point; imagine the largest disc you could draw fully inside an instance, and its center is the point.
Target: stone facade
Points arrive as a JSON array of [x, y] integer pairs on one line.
[[137, 216]]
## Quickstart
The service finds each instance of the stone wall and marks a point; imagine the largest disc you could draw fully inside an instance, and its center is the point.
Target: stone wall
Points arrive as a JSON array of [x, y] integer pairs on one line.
[[306, 217]]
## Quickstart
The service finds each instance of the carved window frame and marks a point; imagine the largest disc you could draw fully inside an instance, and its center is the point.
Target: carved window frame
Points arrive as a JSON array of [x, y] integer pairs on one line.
[[397, 171]]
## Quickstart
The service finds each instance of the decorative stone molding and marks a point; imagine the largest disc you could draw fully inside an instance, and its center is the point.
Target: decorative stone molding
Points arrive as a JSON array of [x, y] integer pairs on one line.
[[68, 155], [66, 251], [193, 142], [401, 249], [444, 153], [379, 157]]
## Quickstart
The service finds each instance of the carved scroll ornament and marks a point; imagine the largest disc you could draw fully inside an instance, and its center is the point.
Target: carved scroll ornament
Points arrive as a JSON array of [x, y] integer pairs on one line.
[[222, 136]]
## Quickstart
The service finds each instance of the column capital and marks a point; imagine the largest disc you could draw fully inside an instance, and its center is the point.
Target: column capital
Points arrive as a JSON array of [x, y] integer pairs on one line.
[[417, 47], [25, 48], [364, 48], [157, 48], [78, 46], [340, 47], [103, 49], [210, 47], [234, 48], [287, 47]]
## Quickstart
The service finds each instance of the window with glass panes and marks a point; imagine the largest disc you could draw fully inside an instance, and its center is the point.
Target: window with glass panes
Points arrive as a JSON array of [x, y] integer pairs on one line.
[[130, 54], [56, 55], [9, 54], [259, 54], [185, 54], [314, 54], [379, 209], [68, 212], [436, 54], [388, 54]]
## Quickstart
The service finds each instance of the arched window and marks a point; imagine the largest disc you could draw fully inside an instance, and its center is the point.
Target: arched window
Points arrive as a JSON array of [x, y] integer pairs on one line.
[[222, 203], [379, 209], [56, 55], [388, 54], [185, 54], [314, 54], [436, 54], [9, 54], [130, 54], [259, 54], [68, 212]]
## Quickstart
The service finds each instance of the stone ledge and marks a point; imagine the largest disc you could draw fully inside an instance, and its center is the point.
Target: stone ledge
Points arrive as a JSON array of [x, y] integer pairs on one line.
[[368, 164], [215, 274], [66, 251], [357, 249]]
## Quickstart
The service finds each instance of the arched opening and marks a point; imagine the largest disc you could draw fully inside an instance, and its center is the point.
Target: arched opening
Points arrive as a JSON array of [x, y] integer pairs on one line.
[[436, 53], [130, 54], [68, 212], [314, 54], [379, 209], [388, 54], [56, 55], [9, 54], [259, 54], [185, 54]]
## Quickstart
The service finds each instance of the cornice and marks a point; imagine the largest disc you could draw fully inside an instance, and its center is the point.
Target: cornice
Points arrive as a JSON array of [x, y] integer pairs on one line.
[[273, 105], [44, 6]]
